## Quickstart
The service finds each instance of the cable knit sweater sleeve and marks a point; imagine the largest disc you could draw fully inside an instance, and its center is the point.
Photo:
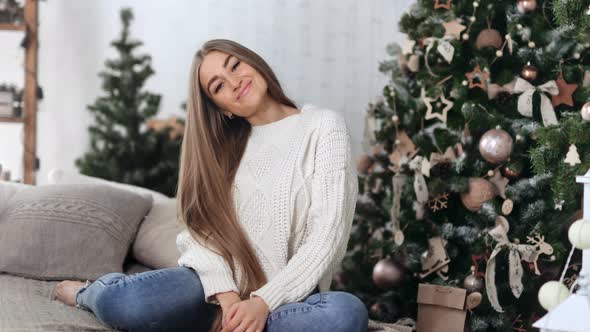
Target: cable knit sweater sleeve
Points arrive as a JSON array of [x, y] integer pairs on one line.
[[333, 198], [214, 272]]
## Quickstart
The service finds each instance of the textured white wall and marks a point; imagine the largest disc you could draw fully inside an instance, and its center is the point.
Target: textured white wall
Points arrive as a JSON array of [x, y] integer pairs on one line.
[[324, 52]]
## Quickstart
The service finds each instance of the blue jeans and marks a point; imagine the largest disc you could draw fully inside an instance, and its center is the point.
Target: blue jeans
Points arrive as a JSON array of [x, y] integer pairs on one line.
[[172, 299]]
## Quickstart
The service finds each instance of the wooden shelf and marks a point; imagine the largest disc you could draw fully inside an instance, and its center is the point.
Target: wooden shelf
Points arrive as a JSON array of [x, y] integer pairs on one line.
[[12, 27], [14, 120]]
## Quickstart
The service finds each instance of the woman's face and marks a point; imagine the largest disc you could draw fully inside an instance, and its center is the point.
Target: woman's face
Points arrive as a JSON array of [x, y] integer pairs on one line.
[[231, 84]]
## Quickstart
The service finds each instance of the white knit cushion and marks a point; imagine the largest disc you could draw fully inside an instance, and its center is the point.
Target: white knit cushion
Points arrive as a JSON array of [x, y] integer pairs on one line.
[[8, 189], [155, 243]]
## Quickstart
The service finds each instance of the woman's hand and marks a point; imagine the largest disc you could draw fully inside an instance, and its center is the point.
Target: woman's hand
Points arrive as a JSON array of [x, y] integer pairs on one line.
[[246, 316]]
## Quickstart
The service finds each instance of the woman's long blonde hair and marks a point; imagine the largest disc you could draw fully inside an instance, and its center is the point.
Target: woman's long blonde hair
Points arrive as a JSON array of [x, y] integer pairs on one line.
[[211, 151]]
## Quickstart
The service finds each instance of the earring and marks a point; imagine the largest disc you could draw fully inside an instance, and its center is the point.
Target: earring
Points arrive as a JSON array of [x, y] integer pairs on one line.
[[230, 115]]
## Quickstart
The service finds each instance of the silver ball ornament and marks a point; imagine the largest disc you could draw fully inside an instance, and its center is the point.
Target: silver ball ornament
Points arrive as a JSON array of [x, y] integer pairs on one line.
[[495, 146], [473, 284]]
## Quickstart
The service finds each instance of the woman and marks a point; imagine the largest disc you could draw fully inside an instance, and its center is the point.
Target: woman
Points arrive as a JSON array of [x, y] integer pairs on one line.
[[267, 193]]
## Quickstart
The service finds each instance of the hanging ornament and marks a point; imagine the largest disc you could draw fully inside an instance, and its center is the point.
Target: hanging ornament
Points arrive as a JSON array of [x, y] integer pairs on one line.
[[473, 300], [585, 111], [377, 309], [480, 191], [446, 4], [488, 38], [453, 28], [500, 183], [439, 202], [363, 164], [541, 247], [413, 63], [507, 207], [408, 46], [428, 102], [420, 186], [435, 259], [565, 93], [586, 79], [441, 164], [473, 283], [398, 181], [572, 157], [552, 293], [403, 150], [525, 101], [388, 273], [529, 72], [481, 76], [526, 6], [513, 170], [495, 146]]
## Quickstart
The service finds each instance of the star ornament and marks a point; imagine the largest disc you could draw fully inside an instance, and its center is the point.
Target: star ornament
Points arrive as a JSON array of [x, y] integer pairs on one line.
[[478, 78], [453, 28], [428, 102], [565, 93]]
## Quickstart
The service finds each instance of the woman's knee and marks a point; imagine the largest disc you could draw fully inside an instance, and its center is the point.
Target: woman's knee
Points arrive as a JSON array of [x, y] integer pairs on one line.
[[348, 312]]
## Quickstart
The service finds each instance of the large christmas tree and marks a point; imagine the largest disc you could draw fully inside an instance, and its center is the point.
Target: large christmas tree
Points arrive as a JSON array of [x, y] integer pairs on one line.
[[127, 144], [471, 156]]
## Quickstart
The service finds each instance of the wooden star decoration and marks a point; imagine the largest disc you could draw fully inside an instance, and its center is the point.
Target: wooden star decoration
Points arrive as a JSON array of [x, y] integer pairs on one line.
[[480, 75], [428, 102], [565, 93], [453, 28], [445, 5], [500, 182]]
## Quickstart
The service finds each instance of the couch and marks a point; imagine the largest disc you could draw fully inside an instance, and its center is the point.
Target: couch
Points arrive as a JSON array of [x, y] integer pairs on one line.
[[27, 299]]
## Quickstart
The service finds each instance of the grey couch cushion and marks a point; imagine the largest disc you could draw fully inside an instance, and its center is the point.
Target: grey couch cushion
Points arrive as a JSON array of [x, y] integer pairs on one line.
[[30, 305], [69, 231]]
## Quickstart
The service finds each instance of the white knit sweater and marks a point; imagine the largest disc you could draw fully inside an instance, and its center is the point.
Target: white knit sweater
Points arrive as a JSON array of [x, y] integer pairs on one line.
[[295, 193]]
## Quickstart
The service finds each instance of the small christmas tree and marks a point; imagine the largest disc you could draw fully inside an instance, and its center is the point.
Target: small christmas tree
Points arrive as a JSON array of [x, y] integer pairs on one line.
[[122, 147], [464, 183]]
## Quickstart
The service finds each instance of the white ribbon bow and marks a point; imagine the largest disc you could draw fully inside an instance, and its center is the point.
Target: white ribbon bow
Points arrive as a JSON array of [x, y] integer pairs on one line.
[[525, 101], [517, 252]]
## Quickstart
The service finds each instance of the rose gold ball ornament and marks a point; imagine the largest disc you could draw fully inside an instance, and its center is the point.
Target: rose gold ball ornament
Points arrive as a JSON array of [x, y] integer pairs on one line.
[[488, 38], [480, 191], [387, 273], [529, 72], [495, 146], [585, 112], [526, 6]]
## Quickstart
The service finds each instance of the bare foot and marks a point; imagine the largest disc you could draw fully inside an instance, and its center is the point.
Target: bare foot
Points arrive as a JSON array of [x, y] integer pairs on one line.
[[66, 291]]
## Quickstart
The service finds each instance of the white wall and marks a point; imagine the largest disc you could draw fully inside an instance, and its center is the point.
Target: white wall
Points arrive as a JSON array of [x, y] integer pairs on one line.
[[324, 52]]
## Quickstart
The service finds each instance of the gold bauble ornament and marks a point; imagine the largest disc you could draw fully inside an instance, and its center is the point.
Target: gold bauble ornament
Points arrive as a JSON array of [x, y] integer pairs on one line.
[[488, 38], [526, 6], [529, 72], [480, 191], [585, 111], [495, 146], [387, 273]]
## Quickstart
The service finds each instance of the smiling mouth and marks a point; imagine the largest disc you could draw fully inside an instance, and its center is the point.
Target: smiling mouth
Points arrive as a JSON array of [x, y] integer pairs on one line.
[[245, 90]]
